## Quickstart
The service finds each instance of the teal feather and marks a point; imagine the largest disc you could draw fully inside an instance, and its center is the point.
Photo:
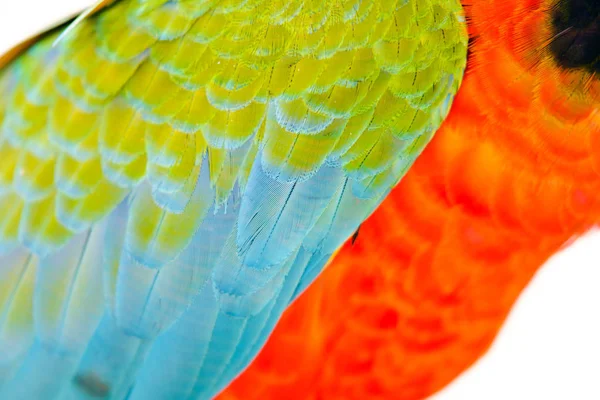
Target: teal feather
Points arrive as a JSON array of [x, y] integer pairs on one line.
[[269, 233], [42, 375], [109, 363], [177, 356]]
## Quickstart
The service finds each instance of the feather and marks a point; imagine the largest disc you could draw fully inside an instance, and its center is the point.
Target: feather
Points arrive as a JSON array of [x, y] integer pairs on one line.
[[267, 235], [108, 364], [17, 271]]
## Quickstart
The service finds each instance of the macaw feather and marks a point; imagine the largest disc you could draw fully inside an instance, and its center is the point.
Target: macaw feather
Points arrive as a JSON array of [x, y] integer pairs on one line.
[[179, 170]]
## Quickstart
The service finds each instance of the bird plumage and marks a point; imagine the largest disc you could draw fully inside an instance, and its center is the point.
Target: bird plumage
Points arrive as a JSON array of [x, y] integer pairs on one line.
[[511, 177], [170, 169]]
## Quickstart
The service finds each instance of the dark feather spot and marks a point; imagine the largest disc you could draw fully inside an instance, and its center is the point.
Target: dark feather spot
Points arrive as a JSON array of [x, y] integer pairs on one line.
[[576, 34], [92, 385], [355, 235]]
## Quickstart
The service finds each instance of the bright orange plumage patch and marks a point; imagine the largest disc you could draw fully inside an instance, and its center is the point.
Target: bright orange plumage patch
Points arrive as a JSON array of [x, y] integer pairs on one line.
[[512, 177]]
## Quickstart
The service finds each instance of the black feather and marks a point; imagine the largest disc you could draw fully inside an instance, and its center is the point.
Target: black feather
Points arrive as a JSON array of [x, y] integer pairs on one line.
[[355, 235], [576, 29]]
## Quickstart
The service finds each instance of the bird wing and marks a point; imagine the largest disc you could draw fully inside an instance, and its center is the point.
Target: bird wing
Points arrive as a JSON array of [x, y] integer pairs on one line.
[[170, 169]]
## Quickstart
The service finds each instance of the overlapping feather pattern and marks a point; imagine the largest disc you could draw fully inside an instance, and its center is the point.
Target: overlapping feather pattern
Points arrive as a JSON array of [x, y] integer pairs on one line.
[[172, 172], [510, 178]]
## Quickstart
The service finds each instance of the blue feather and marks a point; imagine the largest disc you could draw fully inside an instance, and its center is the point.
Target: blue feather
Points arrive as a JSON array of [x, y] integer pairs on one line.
[[275, 217], [67, 301], [44, 372], [177, 356], [315, 266], [249, 303], [108, 365], [259, 328]]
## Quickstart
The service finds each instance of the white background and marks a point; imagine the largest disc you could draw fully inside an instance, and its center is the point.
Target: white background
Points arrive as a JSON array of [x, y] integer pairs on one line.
[[549, 348]]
